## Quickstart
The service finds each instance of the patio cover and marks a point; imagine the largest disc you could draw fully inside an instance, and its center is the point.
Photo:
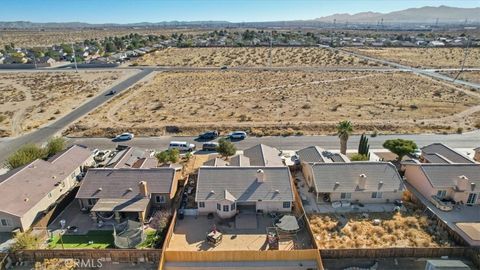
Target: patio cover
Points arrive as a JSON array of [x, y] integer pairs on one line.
[[288, 223], [137, 204]]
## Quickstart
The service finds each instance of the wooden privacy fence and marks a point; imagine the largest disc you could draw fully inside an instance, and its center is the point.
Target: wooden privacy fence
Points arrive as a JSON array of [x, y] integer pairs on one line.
[[240, 255], [114, 255], [166, 242], [395, 252]]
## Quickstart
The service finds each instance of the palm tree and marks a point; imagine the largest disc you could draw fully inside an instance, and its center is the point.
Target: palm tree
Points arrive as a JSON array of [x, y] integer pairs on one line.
[[344, 129]]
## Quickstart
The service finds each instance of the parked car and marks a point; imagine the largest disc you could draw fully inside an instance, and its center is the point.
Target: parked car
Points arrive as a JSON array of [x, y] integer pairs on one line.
[[238, 135], [102, 155], [95, 151], [209, 135], [124, 137], [181, 146], [223, 67], [210, 146], [416, 154], [112, 92]]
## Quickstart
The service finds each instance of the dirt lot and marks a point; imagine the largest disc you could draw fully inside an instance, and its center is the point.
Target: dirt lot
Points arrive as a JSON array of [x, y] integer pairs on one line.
[[425, 57], [249, 57], [31, 99], [48, 37], [394, 230], [283, 103]]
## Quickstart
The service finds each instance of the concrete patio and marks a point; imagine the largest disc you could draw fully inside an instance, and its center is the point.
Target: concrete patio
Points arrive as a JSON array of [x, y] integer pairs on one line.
[[190, 233]]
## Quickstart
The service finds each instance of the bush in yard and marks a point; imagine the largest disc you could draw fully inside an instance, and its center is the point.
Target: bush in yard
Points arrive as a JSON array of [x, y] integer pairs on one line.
[[359, 157], [160, 220], [400, 147], [25, 240], [25, 155], [226, 148], [55, 145], [168, 156]]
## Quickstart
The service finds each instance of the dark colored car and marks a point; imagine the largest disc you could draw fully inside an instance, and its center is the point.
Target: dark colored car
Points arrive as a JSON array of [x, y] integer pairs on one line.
[[209, 135], [211, 146]]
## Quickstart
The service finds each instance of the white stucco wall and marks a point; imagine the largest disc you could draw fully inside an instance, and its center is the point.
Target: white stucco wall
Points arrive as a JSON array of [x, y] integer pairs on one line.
[[366, 197]]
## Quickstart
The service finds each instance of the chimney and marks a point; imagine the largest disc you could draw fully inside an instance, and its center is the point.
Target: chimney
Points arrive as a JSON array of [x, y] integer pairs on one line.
[[260, 176], [362, 181], [142, 186], [462, 182]]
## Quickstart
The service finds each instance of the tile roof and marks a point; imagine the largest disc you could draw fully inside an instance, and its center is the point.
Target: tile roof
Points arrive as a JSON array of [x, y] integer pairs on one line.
[[215, 162], [239, 160], [133, 157], [22, 188], [241, 183], [263, 155], [343, 177], [446, 152], [435, 158], [446, 175], [123, 183], [311, 154]]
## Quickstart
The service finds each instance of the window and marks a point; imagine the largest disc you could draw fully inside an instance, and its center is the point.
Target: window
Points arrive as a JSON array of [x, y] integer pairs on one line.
[[377, 195], [160, 199], [201, 204], [232, 206], [5, 222], [225, 208], [286, 204], [441, 193], [219, 207], [345, 195]]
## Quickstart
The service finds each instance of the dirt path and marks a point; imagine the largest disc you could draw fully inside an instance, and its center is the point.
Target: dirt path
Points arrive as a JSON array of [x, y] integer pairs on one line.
[[20, 110]]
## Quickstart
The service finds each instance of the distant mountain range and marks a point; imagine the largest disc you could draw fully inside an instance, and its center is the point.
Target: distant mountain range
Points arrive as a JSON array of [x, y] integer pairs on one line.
[[444, 14], [426, 15]]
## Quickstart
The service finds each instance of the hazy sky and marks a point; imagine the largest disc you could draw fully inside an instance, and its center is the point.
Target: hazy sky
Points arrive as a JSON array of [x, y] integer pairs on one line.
[[128, 11]]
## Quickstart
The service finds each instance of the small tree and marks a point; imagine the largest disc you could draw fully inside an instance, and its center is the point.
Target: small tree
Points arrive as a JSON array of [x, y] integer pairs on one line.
[[363, 146], [55, 145], [168, 156], [226, 148], [24, 155], [400, 147], [25, 240]]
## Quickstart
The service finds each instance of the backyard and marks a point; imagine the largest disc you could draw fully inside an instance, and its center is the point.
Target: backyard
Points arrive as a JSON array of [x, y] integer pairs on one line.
[[93, 239], [376, 230]]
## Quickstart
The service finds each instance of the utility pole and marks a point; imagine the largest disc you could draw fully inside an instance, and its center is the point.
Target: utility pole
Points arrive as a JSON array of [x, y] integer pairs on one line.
[[74, 58], [464, 59]]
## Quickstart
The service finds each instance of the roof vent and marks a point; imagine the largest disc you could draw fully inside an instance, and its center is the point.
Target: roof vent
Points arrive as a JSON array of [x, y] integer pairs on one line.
[[260, 176], [54, 177], [129, 189], [462, 182], [277, 191], [100, 189], [381, 182], [212, 191], [26, 199], [337, 183]]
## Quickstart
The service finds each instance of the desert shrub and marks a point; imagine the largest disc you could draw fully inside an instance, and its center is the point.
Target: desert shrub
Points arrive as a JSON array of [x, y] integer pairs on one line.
[[359, 157], [459, 130], [55, 145], [25, 240], [24, 155], [2, 118], [168, 156]]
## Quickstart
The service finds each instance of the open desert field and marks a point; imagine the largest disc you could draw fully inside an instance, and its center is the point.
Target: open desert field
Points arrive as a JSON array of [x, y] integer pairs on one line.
[[282, 103], [425, 57], [48, 37], [31, 99], [249, 57]]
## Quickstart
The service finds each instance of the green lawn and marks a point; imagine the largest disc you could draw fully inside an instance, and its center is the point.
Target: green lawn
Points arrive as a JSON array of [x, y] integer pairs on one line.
[[101, 239]]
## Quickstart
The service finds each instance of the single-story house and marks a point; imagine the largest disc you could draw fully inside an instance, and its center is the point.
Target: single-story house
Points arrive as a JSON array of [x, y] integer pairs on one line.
[[216, 162], [264, 156], [315, 154], [458, 182], [440, 153], [228, 190], [126, 193], [132, 157], [26, 193], [364, 182]]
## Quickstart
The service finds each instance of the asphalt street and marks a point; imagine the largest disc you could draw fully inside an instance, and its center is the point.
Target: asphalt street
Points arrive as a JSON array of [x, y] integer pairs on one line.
[[41, 135], [466, 140]]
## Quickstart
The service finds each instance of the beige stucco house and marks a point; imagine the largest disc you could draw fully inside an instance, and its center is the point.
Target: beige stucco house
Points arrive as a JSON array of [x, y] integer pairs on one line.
[[477, 154], [228, 190], [457, 182], [118, 194], [28, 192], [363, 182], [441, 153]]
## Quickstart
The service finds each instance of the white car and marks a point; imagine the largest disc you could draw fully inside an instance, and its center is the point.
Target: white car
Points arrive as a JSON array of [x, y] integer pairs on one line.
[[181, 146], [238, 135], [124, 137]]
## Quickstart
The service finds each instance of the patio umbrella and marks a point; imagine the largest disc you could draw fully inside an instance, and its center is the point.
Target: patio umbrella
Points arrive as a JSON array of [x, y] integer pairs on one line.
[[288, 223]]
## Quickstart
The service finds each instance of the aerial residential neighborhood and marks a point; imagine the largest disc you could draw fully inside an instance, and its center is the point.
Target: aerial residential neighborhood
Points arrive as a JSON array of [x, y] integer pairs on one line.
[[288, 135]]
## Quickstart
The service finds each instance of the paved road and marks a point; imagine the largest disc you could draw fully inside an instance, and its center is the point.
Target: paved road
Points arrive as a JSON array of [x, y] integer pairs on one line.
[[425, 72], [466, 140], [41, 135]]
